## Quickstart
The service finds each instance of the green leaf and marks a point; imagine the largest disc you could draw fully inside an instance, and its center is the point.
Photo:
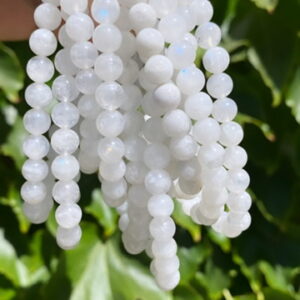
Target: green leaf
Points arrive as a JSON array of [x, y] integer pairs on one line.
[[272, 294], [293, 96], [222, 241], [186, 292], [269, 5], [11, 73], [7, 294]]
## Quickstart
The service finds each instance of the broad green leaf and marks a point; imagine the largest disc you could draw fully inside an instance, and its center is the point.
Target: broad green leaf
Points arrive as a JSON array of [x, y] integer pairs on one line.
[[272, 294], [269, 5], [7, 294], [293, 95]]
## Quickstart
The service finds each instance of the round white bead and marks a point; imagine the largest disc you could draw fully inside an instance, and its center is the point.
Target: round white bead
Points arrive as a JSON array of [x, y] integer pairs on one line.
[[239, 202], [38, 95], [64, 88], [157, 156], [183, 148], [231, 134], [68, 215], [38, 213], [206, 131], [224, 110], [33, 193], [105, 11], [47, 16], [134, 148], [216, 60], [162, 228], [211, 155], [157, 182], [83, 55], [163, 8], [208, 35], [43, 42], [110, 123], [66, 192], [235, 157], [219, 85], [108, 67], [65, 167], [72, 7], [68, 238], [112, 171], [87, 81], [160, 206], [40, 69], [176, 123], [36, 121], [35, 170], [65, 141], [238, 180], [36, 147], [63, 62], [111, 149], [164, 248], [203, 10], [167, 96], [142, 16], [65, 115]]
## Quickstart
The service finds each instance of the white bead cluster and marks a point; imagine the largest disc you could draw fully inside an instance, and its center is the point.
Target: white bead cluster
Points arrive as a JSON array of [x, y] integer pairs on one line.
[[147, 125]]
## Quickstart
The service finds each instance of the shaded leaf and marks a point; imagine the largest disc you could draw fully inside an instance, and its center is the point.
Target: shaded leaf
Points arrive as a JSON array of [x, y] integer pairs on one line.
[[293, 95], [269, 5]]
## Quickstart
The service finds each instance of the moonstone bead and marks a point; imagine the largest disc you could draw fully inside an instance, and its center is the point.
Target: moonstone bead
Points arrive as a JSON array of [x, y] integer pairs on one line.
[[190, 38], [36, 121], [65, 141], [183, 148], [40, 69], [206, 131], [203, 10], [134, 148], [68, 215], [231, 134], [134, 121], [198, 106], [33, 192], [168, 283], [123, 222], [167, 96], [137, 198], [38, 213], [65, 167], [105, 11], [239, 202], [157, 156], [164, 7], [210, 211], [160, 206], [47, 16], [136, 172], [190, 80], [199, 218], [189, 170], [166, 266], [238, 180], [79, 27], [152, 130], [219, 85], [63, 62], [38, 95], [142, 16], [224, 110], [87, 81], [35, 170], [164, 248], [36, 147], [214, 196], [157, 182], [72, 7], [189, 16], [214, 177], [43, 42], [107, 38], [176, 123], [110, 123], [115, 189], [235, 157], [83, 55], [162, 228], [128, 46], [65, 115], [211, 155], [64, 88], [64, 38], [68, 238], [208, 35], [88, 107], [216, 60], [66, 192], [108, 67], [112, 171], [111, 149]]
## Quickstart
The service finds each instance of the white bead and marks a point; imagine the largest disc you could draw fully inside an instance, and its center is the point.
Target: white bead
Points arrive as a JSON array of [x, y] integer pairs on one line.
[[239, 202], [157, 156], [65, 115], [33, 193], [114, 190], [105, 11], [123, 21], [182, 54], [47, 16], [68, 215], [199, 218], [134, 148], [66, 192], [150, 106], [216, 177], [72, 7], [167, 96], [166, 267], [137, 197], [36, 121], [132, 245], [162, 228], [43, 42], [112, 171], [128, 46], [40, 69], [238, 180], [110, 123], [87, 82], [157, 182], [198, 106], [108, 67], [231, 134], [190, 80], [64, 88], [190, 38], [36, 147], [130, 73], [83, 55], [88, 107], [164, 248], [64, 38], [183, 148], [235, 157], [153, 131], [38, 95], [208, 35], [142, 16], [111, 149], [206, 131], [176, 123], [211, 155], [65, 167], [64, 64], [88, 164], [107, 38], [79, 27], [35, 170], [189, 170], [136, 172], [214, 196], [189, 16], [203, 10], [164, 7], [134, 121], [123, 222], [168, 283], [68, 238], [38, 213], [89, 132], [65, 141], [216, 60], [160, 206], [219, 85], [224, 110]]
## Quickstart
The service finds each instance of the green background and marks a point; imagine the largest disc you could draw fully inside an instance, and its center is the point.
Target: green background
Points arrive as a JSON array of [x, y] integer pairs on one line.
[[264, 263]]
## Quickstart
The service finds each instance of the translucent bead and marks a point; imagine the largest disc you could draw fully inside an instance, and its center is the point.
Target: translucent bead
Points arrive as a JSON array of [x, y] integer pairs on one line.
[[182, 54], [162, 228], [214, 196], [88, 107], [36, 147], [66, 192], [35, 170], [68, 215], [111, 149], [114, 190], [238, 180], [123, 21], [64, 38], [38, 213], [219, 85], [198, 217], [65, 115], [87, 82], [83, 55], [65, 141], [190, 80], [208, 35], [176, 123], [216, 60], [167, 96], [150, 107], [107, 38], [145, 83], [189, 170], [132, 245], [190, 38], [110, 95], [36, 121], [239, 202], [198, 106], [157, 156], [211, 155], [160, 206], [112, 171], [68, 238], [163, 8], [38, 95], [72, 7], [136, 172], [203, 10], [157, 182], [206, 131], [137, 199], [105, 11], [134, 121], [134, 148], [235, 157], [33, 193], [65, 167], [142, 16], [166, 267], [130, 73], [88, 164], [43, 42], [164, 248], [153, 131], [40, 69], [64, 64], [183, 148], [214, 177], [64, 88], [110, 123], [128, 46], [123, 222], [210, 211], [168, 283], [224, 110], [108, 67], [134, 96], [47, 16], [159, 69], [231, 134], [79, 27]]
